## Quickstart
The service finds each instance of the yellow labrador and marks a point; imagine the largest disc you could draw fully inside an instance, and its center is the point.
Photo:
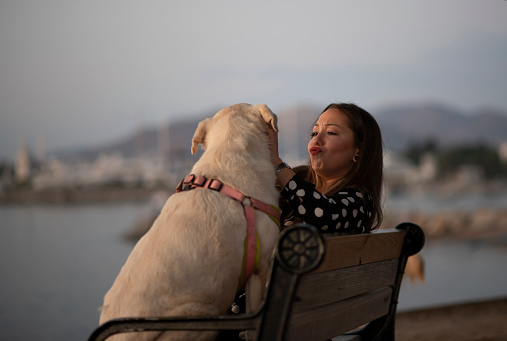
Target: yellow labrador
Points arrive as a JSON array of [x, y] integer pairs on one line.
[[190, 261]]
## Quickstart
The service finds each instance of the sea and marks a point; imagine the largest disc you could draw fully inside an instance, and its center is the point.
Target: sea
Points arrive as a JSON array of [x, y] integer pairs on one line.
[[57, 262]]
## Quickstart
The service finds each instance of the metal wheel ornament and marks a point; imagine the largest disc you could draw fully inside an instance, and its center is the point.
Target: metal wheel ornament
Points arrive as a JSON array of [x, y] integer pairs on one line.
[[300, 248]]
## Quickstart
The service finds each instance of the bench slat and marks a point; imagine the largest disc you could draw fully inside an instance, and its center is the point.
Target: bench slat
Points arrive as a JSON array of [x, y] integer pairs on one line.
[[316, 289], [334, 319], [350, 250]]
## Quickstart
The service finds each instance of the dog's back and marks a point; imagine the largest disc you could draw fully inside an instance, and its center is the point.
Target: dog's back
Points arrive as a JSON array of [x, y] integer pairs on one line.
[[190, 261]]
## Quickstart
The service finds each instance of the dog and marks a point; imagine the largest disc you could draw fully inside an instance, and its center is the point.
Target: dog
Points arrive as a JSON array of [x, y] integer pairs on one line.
[[190, 261], [414, 269]]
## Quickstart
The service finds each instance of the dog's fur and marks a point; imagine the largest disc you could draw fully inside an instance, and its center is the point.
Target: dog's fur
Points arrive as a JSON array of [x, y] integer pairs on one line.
[[190, 261]]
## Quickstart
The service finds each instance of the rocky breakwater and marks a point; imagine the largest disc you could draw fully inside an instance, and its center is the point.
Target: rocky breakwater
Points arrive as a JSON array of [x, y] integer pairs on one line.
[[462, 224]]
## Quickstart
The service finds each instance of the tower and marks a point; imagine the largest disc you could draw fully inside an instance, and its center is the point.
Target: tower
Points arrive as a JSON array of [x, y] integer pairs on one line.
[[22, 170]]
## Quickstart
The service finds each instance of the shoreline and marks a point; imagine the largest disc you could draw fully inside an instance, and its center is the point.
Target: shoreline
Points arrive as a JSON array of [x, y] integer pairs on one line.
[[75, 196], [482, 320], [463, 224]]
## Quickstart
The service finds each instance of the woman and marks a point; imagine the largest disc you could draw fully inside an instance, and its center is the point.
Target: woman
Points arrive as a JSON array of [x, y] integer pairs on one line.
[[340, 189]]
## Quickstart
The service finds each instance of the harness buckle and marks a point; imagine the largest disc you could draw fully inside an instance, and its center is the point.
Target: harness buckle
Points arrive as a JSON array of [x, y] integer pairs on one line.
[[246, 201], [215, 185]]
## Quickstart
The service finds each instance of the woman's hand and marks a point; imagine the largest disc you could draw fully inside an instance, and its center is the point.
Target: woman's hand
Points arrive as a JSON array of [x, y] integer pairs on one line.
[[273, 147], [283, 176]]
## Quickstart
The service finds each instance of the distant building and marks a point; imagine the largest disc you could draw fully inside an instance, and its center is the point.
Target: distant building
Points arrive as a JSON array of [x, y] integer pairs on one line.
[[428, 167], [502, 151], [22, 170]]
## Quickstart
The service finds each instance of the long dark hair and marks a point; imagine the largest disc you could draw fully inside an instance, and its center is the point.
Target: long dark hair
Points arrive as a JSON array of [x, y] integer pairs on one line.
[[367, 173]]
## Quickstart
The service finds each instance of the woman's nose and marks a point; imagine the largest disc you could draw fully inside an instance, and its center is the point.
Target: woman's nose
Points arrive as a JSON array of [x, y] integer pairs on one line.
[[317, 138]]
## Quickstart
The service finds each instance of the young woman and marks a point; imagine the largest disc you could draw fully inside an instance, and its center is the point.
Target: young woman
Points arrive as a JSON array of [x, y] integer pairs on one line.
[[340, 189]]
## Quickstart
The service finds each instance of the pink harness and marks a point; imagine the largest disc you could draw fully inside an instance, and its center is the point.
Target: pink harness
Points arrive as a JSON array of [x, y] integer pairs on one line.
[[251, 254]]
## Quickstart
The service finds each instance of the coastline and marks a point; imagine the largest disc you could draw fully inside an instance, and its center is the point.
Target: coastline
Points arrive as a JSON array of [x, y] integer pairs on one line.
[[463, 223], [71, 196], [483, 320]]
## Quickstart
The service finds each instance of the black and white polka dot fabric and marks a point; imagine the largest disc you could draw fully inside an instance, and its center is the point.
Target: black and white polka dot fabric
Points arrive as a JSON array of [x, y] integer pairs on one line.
[[345, 211]]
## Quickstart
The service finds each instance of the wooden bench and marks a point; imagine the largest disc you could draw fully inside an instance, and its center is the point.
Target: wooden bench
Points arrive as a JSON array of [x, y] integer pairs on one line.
[[320, 286]]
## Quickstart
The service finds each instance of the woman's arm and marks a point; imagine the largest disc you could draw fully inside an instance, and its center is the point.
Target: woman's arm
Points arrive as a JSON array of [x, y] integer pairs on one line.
[[285, 174]]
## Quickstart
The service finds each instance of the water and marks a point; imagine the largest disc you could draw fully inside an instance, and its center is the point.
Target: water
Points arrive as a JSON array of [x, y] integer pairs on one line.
[[458, 272], [56, 263]]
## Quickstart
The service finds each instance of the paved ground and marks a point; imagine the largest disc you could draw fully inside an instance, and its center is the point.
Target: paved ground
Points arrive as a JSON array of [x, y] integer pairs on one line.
[[485, 321]]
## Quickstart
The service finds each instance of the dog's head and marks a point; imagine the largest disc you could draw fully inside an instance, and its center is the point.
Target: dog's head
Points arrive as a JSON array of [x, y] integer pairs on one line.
[[257, 112]]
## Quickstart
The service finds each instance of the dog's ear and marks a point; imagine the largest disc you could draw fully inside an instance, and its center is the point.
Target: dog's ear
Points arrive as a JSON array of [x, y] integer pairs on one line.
[[268, 116], [200, 135]]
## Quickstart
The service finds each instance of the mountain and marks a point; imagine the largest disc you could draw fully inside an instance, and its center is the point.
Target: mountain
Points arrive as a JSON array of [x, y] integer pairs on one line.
[[401, 125], [404, 124]]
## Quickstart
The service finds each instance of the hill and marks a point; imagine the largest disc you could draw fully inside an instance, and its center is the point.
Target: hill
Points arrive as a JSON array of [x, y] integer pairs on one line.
[[401, 125], [447, 126]]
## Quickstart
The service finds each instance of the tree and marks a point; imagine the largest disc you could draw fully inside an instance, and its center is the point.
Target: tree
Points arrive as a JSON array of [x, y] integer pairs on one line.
[[482, 156], [416, 150]]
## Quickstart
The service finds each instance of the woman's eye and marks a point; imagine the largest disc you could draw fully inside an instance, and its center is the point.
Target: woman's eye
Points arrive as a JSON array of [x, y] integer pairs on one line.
[[313, 134], [331, 133]]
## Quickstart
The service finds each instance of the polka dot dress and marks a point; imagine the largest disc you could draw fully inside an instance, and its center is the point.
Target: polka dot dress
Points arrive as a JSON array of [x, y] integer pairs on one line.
[[345, 211]]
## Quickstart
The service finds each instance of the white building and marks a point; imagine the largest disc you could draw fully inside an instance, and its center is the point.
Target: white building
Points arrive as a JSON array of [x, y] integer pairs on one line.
[[22, 169], [502, 151]]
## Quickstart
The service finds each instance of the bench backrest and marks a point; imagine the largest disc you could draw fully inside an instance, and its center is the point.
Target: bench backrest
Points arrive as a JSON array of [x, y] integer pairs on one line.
[[320, 286], [357, 282]]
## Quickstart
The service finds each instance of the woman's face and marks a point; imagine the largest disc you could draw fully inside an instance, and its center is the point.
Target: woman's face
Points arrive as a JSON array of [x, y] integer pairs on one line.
[[331, 146]]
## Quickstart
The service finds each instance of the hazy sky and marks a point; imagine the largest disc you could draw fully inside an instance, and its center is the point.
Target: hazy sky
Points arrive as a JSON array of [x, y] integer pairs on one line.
[[80, 73]]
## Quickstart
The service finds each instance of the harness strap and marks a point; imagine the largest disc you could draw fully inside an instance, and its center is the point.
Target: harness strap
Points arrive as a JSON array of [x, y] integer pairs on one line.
[[251, 254]]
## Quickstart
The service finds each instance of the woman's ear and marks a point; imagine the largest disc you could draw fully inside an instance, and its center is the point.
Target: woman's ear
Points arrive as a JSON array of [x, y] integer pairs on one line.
[[355, 158]]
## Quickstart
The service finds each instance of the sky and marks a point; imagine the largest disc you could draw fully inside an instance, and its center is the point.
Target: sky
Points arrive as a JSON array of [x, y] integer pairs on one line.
[[76, 73]]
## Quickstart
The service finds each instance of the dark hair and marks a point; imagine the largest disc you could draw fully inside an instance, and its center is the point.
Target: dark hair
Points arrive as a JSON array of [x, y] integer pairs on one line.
[[367, 174]]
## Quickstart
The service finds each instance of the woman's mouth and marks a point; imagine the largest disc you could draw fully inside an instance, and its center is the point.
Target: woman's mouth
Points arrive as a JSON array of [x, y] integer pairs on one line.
[[315, 150]]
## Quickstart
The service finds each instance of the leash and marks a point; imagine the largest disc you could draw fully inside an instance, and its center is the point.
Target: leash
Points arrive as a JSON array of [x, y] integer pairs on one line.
[[251, 254]]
